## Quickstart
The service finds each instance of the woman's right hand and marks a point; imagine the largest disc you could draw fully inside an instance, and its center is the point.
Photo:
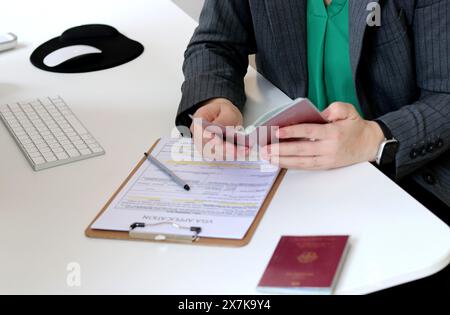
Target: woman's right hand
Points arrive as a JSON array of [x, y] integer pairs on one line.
[[223, 112]]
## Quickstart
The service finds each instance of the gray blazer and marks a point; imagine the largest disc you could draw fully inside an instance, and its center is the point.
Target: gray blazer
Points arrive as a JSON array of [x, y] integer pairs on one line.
[[401, 69]]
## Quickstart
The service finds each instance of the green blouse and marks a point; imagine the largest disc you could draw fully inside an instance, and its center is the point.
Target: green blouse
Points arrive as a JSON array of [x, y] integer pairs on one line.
[[329, 68]]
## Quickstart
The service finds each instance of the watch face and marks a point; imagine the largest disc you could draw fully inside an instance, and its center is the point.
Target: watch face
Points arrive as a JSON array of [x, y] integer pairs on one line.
[[389, 152]]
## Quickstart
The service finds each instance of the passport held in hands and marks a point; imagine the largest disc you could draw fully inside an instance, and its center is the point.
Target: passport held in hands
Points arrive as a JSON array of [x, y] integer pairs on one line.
[[262, 131]]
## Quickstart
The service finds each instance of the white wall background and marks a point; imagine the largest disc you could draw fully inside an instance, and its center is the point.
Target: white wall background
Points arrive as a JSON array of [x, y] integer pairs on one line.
[[191, 7]]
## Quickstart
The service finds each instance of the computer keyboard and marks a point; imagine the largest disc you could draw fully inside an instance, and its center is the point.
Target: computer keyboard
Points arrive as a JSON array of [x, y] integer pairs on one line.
[[49, 133]]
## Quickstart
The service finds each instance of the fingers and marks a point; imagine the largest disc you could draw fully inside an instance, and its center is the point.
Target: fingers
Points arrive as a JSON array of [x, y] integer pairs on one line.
[[297, 148], [305, 131], [335, 112], [306, 155], [228, 116], [218, 114], [209, 143], [219, 150], [208, 113], [339, 111], [304, 163]]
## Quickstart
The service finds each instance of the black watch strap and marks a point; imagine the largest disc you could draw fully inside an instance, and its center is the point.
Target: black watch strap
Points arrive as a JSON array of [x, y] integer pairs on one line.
[[389, 168]]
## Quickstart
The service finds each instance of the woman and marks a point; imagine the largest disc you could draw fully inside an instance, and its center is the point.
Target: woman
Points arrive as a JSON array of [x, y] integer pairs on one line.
[[384, 88]]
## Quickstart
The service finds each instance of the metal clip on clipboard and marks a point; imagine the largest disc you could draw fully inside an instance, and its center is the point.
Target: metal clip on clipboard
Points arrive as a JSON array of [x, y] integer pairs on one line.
[[137, 231]]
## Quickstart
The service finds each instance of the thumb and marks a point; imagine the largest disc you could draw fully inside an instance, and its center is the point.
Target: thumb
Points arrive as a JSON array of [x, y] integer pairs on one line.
[[338, 111], [227, 117]]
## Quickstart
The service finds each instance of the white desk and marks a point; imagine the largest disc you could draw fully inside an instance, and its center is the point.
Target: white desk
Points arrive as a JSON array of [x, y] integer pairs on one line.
[[43, 215]]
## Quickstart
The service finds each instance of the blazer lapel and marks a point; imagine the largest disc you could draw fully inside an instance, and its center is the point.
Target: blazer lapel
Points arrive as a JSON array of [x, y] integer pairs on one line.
[[357, 26], [287, 20]]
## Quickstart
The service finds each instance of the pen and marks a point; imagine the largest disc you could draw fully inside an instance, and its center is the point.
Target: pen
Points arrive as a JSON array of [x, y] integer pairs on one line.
[[166, 170]]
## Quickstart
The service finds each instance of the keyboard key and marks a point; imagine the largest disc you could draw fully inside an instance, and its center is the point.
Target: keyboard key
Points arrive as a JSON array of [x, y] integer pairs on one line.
[[44, 149], [34, 154], [38, 160], [61, 155], [51, 141], [76, 139], [50, 158], [31, 150], [26, 141], [97, 150], [71, 134], [86, 136], [37, 139], [46, 101], [76, 124], [73, 153], [90, 141], [85, 152], [61, 137], [69, 147], [81, 146]]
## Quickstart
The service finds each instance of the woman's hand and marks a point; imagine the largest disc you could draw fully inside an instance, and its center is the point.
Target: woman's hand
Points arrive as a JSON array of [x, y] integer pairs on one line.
[[348, 139], [219, 111]]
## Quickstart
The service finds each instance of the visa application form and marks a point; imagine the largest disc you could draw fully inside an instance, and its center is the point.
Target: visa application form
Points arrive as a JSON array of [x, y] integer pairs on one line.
[[224, 199]]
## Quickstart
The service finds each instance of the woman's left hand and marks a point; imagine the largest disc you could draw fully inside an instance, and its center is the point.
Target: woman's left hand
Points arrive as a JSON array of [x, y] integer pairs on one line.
[[348, 139]]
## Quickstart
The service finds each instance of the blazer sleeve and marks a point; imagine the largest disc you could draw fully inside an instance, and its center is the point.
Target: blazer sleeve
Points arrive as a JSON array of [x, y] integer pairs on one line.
[[423, 128], [216, 58]]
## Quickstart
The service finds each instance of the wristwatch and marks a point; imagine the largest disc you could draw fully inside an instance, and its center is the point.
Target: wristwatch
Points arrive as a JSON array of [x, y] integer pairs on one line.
[[388, 148]]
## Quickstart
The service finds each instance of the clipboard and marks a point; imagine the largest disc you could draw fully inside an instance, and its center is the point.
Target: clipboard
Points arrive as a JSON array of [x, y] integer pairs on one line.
[[196, 239]]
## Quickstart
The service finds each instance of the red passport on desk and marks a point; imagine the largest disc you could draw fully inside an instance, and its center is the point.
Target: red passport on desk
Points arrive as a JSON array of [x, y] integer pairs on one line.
[[305, 265]]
